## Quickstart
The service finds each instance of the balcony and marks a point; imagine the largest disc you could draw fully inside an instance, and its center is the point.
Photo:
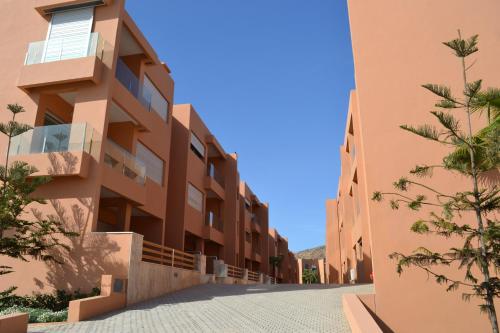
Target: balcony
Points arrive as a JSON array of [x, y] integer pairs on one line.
[[214, 228], [124, 162], [63, 61], [149, 97], [124, 173], [56, 150], [256, 224], [214, 221], [214, 182]]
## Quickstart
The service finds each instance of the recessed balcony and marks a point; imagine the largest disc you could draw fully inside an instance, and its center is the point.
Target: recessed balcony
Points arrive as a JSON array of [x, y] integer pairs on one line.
[[124, 173], [62, 61], [56, 150]]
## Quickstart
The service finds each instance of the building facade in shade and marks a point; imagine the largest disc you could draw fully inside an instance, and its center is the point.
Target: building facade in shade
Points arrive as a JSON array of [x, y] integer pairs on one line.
[[100, 101], [253, 229], [203, 209], [348, 238], [397, 47]]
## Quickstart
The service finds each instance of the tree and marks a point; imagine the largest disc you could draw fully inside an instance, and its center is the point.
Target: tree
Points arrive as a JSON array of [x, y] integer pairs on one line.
[[20, 236], [275, 261], [467, 215], [309, 276]]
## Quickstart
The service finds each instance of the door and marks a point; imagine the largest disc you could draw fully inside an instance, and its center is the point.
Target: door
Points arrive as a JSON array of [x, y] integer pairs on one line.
[[69, 35]]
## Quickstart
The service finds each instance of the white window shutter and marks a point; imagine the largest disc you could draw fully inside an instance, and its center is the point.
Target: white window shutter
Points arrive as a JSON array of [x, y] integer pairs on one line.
[[69, 34]]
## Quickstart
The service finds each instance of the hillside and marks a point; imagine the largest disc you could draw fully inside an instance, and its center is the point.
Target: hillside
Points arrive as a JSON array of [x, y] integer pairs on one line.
[[314, 253]]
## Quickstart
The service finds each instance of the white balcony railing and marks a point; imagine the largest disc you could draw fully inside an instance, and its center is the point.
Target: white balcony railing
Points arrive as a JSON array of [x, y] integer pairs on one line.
[[58, 49]]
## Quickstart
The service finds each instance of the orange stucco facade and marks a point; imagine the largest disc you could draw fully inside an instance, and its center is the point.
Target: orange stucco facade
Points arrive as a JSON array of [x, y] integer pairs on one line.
[[287, 271], [117, 150], [397, 47]]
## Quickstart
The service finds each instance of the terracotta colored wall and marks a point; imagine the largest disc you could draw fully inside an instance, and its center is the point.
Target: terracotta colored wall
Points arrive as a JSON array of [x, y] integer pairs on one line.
[[75, 197], [397, 47], [256, 255], [187, 168]]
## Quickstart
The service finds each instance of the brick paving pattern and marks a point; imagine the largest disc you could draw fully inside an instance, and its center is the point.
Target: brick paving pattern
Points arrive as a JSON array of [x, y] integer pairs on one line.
[[229, 308]]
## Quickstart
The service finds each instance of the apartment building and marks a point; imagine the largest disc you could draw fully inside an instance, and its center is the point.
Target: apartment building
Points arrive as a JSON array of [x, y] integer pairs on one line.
[[203, 205], [349, 256], [100, 101], [253, 229], [397, 47], [287, 271]]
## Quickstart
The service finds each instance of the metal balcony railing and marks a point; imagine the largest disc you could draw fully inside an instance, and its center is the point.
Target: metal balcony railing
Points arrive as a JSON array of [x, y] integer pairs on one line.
[[58, 49]]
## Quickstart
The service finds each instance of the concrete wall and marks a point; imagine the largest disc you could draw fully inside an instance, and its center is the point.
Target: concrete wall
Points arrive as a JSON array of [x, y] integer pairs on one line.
[[397, 47]]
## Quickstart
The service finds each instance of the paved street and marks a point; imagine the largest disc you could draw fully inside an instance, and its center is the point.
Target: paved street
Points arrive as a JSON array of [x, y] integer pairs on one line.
[[230, 308]]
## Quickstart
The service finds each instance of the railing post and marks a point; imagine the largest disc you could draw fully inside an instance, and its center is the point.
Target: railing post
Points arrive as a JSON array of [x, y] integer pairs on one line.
[[173, 257], [201, 263], [245, 275], [261, 278]]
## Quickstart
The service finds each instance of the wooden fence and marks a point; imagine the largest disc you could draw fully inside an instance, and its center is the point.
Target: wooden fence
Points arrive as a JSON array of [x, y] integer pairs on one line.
[[253, 276], [235, 272], [164, 255]]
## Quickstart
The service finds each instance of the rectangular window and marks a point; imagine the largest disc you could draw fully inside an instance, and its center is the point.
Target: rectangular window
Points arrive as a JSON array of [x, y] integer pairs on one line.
[[153, 99], [154, 164], [197, 146], [195, 198], [69, 35]]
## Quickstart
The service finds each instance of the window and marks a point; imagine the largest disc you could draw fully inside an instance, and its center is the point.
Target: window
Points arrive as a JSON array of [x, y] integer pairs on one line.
[[69, 34], [153, 99], [154, 164], [248, 237], [195, 198], [197, 147]]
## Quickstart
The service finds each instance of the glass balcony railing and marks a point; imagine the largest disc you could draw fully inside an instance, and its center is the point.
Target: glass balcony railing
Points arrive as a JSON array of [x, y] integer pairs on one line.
[[52, 139], [146, 93], [215, 174], [124, 162], [57, 49]]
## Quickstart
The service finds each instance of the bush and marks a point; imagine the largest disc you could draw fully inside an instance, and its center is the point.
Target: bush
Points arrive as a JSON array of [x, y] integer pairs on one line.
[[38, 315], [57, 301]]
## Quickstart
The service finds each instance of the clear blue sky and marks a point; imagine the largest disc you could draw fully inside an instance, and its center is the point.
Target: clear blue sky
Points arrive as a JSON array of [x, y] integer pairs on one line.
[[271, 79]]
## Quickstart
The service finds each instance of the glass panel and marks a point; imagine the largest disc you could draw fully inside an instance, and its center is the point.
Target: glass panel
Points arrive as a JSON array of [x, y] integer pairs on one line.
[[127, 78], [154, 164], [123, 161], [153, 99], [54, 138], [65, 48]]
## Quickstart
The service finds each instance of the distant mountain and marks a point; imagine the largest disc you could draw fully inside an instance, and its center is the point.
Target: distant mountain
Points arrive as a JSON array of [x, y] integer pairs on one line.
[[314, 253]]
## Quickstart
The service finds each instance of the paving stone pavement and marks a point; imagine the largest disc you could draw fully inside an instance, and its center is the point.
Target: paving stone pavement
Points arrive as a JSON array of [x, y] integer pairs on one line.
[[230, 308]]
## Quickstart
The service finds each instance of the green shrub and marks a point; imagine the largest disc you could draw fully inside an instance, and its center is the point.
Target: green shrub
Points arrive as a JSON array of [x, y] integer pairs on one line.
[[57, 301], [38, 315]]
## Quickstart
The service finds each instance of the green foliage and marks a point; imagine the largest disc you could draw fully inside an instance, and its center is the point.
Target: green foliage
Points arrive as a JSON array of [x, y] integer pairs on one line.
[[38, 315], [310, 276], [472, 155], [26, 237], [57, 301]]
